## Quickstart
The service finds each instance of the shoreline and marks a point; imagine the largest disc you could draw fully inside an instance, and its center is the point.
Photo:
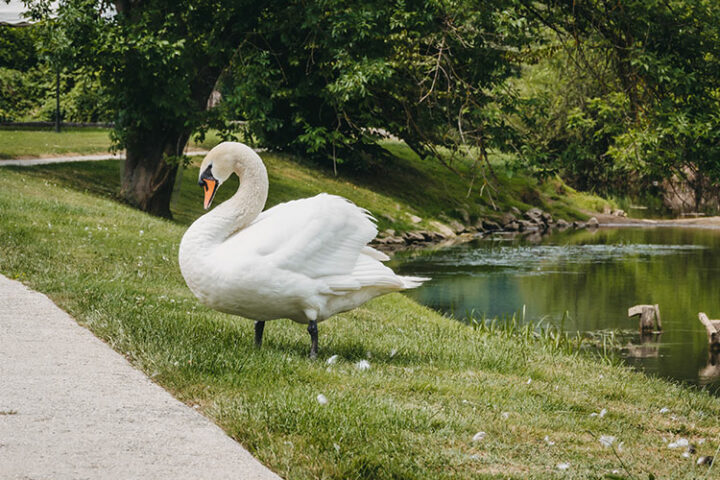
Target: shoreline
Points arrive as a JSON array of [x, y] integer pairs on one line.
[[424, 239], [612, 221]]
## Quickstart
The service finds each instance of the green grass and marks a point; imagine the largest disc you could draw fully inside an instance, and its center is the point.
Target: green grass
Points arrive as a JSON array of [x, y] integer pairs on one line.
[[411, 416], [435, 191], [20, 143], [27, 143]]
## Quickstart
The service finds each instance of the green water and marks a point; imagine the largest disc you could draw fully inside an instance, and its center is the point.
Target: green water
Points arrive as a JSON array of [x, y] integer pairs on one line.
[[594, 276]]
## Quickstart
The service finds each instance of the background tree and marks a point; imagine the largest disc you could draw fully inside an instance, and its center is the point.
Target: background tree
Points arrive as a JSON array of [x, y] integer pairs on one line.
[[324, 77], [330, 77], [159, 62], [630, 88], [653, 113]]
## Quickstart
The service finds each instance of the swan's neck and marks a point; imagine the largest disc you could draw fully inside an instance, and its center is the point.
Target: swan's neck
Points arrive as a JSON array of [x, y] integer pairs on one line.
[[238, 212]]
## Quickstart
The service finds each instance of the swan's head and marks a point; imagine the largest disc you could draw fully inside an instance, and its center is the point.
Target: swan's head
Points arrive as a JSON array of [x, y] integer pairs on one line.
[[217, 167]]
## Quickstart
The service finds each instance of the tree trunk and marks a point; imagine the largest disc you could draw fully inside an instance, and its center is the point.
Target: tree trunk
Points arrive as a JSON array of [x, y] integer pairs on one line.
[[148, 177]]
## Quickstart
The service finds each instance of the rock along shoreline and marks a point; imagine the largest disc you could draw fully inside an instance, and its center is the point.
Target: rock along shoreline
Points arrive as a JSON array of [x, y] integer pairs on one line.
[[532, 223]]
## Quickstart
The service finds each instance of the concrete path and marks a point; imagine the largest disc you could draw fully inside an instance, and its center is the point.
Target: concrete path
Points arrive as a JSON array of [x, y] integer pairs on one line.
[[73, 408], [28, 162]]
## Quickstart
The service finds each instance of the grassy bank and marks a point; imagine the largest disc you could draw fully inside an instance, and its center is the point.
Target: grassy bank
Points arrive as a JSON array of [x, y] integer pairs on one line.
[[432, 386], [395, 190]]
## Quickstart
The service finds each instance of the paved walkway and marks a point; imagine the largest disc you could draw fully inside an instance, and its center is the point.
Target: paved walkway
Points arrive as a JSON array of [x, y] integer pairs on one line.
[[73, 408], [28, 162]]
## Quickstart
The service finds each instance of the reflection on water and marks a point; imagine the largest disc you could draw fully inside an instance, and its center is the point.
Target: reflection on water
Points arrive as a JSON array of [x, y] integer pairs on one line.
[[594, 276], [710, 373]]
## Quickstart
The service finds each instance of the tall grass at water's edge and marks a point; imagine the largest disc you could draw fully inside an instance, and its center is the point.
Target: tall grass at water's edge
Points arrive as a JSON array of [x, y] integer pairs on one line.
[[600, 345]]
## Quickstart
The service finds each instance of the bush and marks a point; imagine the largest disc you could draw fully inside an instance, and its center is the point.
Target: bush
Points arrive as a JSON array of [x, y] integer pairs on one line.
[[82, 99], [15, 94]]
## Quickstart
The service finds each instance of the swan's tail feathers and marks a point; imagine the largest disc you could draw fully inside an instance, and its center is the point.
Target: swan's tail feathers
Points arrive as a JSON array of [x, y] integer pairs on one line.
[[413, 282]]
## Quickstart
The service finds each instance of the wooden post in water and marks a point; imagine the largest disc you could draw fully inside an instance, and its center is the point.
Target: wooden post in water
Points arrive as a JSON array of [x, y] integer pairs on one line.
[[713, 331], [649, 317]]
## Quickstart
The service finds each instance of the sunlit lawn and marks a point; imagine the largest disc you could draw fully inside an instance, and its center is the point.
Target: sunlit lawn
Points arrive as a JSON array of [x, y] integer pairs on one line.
[[21, 143], [41, 143]]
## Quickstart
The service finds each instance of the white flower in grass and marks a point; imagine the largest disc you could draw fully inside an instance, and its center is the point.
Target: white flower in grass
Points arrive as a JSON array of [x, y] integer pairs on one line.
[[393, 352], [322, 399], [505, 415], [680, 442], [142, 232], [664, 410], [332, 360], [529, 381], [602, 413], [478, 437], [548, 441], [607, 440], [563, 466], [362, 365]]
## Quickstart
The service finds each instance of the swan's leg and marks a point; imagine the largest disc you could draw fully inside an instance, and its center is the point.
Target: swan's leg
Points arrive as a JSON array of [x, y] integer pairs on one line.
[[313, 331], [259, 327]]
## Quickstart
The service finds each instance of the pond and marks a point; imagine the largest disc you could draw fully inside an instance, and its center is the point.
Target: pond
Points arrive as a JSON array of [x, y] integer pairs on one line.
[[590, 278]]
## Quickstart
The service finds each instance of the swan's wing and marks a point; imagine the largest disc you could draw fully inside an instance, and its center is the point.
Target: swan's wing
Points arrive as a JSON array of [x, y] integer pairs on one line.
[[321, 236]]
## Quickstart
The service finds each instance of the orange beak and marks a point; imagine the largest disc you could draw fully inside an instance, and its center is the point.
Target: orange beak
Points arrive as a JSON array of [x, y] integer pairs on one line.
[[210, 186]]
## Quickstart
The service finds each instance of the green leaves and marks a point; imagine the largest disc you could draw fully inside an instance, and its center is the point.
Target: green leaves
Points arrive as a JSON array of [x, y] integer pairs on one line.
[[327, 75], [631, 94]]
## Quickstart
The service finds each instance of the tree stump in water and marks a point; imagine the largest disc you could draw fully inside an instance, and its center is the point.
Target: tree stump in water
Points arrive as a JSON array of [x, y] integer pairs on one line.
[[649, 317], [713, 331]]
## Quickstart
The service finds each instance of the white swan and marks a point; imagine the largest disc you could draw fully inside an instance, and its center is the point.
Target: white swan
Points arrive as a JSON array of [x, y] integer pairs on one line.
[[305, 260]]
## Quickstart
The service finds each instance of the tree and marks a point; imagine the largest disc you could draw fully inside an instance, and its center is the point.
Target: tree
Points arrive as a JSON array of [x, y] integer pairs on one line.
[[322, 76], [159, 61], [665, 58], [330, 77]]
